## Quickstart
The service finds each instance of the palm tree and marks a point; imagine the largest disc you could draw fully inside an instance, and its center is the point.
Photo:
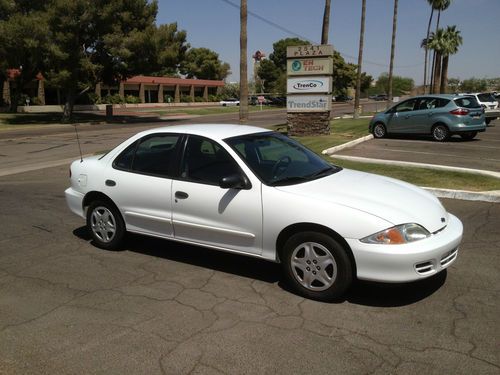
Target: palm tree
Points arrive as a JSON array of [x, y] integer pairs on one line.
[[243, 63], [326, 23], [452, 40], [360, 59], [393, 44], [436, 42], [438, 5]]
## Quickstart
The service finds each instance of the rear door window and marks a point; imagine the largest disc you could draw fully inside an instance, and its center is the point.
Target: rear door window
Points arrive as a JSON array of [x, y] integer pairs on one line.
[[406, 106], [432, 103], [467, 102]]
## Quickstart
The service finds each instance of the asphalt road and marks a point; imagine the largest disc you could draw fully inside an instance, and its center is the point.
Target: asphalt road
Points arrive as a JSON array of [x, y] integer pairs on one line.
[[159, 307], [483, 152]]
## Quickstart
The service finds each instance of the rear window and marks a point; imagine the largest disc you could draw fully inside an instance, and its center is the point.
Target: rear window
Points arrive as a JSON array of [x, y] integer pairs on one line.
[[485, 97], [467, 102]]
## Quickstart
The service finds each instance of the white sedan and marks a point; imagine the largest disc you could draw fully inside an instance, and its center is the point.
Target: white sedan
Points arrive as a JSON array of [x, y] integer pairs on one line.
[[255, 192]]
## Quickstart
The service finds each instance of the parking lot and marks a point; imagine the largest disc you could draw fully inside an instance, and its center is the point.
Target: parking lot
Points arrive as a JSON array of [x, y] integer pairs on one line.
[[481, 153], [158, 307]]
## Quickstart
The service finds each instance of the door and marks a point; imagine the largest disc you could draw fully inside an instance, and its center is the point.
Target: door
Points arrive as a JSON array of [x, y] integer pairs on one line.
[[401, 117], [207, 214], [139, 182]]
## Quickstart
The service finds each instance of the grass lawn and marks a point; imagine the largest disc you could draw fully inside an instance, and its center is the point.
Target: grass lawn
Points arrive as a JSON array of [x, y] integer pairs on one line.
[[16, 119], [209, 110], [345, 130]]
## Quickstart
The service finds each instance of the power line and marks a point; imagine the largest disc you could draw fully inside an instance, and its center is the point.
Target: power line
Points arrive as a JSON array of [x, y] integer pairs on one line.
[[282, 28]]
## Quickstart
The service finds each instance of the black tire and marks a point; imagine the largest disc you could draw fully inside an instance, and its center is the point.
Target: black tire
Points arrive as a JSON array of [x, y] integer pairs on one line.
[[467, 136], [105, 224], [379, 130], [328, 260], [487, 121], [440, 133]]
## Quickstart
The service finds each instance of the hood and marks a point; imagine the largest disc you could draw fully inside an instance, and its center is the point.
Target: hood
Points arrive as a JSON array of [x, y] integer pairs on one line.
[[392, 200]]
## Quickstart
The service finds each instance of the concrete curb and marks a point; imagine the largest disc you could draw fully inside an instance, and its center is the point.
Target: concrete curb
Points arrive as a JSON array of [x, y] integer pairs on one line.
[[334, 149], [493, 196], [419, 165]]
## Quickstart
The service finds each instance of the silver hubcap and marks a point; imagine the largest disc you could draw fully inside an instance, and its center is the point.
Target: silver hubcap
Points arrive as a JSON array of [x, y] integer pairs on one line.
[[379, 131], [314, 266], [439, 133], [103, 224]]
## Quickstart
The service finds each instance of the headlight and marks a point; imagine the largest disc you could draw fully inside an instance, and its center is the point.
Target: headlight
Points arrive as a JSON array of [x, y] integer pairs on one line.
[[400, 234]]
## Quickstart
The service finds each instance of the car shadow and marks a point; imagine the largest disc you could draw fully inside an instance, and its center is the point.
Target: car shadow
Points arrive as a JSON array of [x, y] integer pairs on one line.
[[361, 292], [415, 137]]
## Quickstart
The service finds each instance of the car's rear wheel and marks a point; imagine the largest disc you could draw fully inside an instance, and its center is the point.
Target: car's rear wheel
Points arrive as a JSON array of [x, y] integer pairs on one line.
[[105, 225], [468, 135], [379, 130], [440, 133], [316, 266]]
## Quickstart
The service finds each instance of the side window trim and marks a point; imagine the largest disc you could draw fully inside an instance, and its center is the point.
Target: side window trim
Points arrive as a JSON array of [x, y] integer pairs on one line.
[[172, 164]]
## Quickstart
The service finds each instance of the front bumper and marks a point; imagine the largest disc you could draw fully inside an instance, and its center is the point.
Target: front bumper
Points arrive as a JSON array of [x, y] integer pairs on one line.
[[409, 262], [74, 199]]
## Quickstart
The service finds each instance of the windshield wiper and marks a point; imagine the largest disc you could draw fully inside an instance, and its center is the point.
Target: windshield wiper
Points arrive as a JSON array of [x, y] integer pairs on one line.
[[291, 179], [321, 172]]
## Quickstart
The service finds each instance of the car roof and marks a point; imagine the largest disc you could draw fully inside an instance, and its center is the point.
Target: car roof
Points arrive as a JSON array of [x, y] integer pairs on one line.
[[213, 131]]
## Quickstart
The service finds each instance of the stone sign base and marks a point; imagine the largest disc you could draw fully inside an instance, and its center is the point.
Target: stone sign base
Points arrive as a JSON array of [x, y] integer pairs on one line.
[[310, 123]]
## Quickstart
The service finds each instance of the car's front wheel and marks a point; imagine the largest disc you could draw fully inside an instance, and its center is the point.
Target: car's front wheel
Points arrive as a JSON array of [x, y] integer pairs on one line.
[[316, 266], [379, 130], [105, 225]]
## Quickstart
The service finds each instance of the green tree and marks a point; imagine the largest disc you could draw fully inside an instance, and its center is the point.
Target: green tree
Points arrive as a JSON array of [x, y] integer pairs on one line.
[[278, 56], [158, 50], [474, 85], [89, 42], [203, 63], [23, 46], [454, 85], [400, 85], [439, 5], [451, 41]]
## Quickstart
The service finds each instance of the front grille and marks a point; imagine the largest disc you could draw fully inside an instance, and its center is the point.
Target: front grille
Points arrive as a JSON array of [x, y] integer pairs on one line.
[[424, 268], [449, 257]]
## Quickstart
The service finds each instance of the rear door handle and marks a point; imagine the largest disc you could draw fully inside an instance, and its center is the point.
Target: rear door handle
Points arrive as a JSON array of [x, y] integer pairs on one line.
[[407, 116], [181, 195], [110, 183]]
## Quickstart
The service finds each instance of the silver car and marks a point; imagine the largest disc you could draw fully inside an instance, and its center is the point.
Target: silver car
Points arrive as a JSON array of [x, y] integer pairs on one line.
[[440, 116]]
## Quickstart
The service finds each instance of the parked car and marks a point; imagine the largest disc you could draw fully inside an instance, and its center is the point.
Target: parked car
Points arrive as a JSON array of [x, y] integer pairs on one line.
[[343, 98], [437, 115], [379, 97], [279, 101], [489, 103], [254, 192], [230, 101]]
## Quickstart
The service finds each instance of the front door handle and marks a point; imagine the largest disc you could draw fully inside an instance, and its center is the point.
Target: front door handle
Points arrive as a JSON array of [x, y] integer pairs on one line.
[[407, 116], [181, 195]]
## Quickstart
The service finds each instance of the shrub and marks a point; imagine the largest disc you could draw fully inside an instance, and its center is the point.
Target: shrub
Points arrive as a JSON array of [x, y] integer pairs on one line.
[[113, 99], [186, 99], [168, 99], [131, 99]]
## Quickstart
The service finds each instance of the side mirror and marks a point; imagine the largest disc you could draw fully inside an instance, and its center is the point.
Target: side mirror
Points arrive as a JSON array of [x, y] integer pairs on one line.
[[235, 181]]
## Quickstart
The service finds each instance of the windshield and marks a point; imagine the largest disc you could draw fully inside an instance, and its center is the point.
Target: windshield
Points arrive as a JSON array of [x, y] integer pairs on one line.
[[279, 160], [467, 102]]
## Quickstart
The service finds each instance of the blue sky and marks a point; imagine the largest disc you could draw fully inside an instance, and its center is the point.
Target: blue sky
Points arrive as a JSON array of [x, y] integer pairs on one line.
[[215, 24]]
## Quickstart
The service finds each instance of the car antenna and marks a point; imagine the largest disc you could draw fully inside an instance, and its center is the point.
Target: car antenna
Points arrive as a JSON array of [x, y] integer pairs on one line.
[[79, 145]]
